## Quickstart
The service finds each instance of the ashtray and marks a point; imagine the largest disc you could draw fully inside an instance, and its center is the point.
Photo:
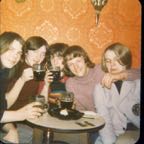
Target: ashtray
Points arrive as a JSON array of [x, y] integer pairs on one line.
[[71, 114]]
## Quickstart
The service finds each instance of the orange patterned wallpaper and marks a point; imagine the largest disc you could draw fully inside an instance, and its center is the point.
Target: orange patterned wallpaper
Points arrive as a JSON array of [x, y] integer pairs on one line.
[[73, 22]]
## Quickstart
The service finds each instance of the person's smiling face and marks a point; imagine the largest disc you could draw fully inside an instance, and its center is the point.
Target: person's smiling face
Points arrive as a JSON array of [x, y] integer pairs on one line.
[[12, 56], [78, 66], [35, 56], [57, 61]]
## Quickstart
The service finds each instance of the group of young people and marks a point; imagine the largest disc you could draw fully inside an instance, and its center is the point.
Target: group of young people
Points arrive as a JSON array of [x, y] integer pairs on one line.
[[16, 59], [111, 88]]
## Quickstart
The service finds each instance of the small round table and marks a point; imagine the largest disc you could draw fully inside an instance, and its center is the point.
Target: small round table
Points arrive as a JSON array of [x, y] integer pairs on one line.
[[84, 124]]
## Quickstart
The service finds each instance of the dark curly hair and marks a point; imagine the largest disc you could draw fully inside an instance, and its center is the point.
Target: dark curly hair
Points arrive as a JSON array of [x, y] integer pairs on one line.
[[56, 49]]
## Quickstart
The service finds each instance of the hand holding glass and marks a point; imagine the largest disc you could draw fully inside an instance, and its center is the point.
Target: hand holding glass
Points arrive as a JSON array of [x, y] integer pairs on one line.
[[55, 73], [39, 72], [41, 99]]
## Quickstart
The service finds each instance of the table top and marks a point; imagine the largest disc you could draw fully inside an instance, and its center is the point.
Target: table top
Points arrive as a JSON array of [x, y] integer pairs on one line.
[[59, 125]]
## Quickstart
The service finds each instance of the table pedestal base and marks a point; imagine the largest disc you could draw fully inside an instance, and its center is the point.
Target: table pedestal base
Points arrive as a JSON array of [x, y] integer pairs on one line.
[[45, 136]]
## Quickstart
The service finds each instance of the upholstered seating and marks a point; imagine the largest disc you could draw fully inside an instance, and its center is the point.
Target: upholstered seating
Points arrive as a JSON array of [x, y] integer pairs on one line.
[[130, 137]]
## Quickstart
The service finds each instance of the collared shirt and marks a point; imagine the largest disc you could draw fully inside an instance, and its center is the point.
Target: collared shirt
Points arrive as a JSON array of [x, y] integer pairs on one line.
[[118, 85]]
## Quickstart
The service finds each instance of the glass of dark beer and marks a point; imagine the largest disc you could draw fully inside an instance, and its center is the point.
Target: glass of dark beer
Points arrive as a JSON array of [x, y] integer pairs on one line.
[[67, 100], [39, 72], [55, 73]]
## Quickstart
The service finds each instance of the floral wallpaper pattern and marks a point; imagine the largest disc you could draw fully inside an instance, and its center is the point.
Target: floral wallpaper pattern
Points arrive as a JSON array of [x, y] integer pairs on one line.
[[73, 22]]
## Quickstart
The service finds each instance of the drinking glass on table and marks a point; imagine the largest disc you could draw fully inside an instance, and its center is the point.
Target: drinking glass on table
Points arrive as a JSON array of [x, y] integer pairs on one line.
[[67, 100], [55, 73], [39, 71]]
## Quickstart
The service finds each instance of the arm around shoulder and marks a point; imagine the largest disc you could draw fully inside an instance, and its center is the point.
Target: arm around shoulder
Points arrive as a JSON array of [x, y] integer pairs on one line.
[[133, 74]]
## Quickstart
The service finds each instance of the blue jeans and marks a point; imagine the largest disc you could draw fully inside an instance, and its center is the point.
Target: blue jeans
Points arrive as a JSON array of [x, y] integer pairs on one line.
[[92, 137]]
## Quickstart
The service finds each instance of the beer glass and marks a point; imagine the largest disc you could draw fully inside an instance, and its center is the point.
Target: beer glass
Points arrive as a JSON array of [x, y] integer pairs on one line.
[[67, 100], [41, 99], [55, 73], [39, 72]]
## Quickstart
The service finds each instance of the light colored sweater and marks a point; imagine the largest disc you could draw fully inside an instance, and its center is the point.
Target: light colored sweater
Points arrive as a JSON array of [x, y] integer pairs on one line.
[[83, 87]]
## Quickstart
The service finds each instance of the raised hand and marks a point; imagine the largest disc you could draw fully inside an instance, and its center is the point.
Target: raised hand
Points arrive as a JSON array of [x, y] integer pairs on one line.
[[109, 78], [48, 77], [27, 74]]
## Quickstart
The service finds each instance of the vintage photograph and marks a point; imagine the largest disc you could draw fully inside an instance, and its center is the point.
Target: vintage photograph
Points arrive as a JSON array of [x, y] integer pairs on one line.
[[70, 71]]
